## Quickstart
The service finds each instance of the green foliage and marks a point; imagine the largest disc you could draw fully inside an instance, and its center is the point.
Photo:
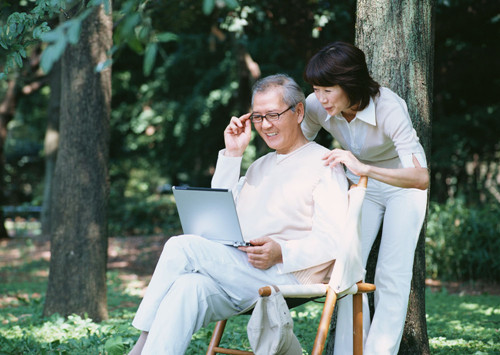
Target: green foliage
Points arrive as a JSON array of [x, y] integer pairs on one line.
[[20, 30], [465, 123], [462, 242]]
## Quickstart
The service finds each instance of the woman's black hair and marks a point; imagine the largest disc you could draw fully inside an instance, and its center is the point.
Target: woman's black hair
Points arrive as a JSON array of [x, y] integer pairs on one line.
[[341, 63]]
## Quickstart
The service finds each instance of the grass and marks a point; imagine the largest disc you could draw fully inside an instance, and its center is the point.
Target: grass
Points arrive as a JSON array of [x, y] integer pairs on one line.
[[457, 324]]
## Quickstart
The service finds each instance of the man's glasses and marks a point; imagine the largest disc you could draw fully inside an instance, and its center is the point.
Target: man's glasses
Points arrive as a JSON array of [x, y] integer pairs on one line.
[[270, 117]]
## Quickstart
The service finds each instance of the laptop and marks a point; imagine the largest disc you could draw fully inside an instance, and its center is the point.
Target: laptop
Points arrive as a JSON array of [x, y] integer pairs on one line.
[[210, 213]]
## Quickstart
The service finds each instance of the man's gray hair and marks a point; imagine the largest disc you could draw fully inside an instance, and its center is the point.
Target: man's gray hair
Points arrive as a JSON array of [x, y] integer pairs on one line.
[[292, 93]]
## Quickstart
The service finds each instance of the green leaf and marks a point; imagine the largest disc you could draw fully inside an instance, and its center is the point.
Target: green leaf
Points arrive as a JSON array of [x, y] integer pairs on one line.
[[52, 36], [40, 30], [166, 37], [52, 54], [103, 65], [18, 59], [150, 57], [129, 24], [114, 346], [135, 45], [2, 43], [74, 32], [208, 6], [233, 4]]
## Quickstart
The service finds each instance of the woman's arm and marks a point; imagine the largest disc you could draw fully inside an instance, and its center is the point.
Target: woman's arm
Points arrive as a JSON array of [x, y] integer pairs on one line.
[[310, 124], [416, 177]]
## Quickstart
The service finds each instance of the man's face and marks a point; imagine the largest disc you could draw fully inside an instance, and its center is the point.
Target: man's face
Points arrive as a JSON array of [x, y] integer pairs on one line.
[[283, 135]]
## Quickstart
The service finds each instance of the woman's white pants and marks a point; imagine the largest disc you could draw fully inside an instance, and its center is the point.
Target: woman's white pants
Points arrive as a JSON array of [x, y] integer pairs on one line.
[[195, 282], [402, 212]]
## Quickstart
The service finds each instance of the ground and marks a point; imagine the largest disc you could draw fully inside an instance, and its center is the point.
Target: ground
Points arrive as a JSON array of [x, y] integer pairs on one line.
[[136, 257]]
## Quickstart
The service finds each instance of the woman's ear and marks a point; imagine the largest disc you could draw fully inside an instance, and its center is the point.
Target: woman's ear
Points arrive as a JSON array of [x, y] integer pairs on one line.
[[300, 110]]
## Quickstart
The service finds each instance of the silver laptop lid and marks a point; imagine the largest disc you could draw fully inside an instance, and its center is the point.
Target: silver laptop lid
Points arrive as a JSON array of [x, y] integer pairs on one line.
[[210, 213]]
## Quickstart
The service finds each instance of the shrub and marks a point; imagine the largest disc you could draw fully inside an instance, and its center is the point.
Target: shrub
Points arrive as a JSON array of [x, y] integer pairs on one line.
[[462, 242]]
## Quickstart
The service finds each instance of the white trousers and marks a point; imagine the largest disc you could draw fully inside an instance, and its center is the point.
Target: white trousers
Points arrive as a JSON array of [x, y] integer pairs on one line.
[[195, 282], [402, 212]]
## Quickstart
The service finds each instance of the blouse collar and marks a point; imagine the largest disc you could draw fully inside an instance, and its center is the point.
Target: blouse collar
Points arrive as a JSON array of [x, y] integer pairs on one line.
[[367, 115]]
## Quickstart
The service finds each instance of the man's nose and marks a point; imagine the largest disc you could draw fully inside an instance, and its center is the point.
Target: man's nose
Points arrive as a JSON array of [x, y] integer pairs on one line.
[[266, 123]]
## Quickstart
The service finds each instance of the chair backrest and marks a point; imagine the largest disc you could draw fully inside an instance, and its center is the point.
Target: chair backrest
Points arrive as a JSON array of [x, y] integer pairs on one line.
[[350, 269]]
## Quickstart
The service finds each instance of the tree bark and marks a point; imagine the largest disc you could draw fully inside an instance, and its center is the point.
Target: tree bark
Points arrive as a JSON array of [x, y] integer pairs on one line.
[[398, 40], [77, 280], [51, 143], [7, 111]]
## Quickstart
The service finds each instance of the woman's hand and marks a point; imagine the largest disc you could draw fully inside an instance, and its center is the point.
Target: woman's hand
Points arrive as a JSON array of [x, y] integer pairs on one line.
[[416, 177], [237, 135], [345, 157], [263, 253]]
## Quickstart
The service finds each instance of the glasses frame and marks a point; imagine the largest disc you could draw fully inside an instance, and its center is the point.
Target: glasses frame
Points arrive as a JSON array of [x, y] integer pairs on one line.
[[260, 118]]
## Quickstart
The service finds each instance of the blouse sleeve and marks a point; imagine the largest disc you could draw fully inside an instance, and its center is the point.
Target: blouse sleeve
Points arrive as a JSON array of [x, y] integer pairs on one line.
[[324, 242], [310, 124], [398, 126]]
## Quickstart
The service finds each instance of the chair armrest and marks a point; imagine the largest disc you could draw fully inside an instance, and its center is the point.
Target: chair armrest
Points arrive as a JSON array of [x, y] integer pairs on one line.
[[296, 291], [365, 287], [314, 290]]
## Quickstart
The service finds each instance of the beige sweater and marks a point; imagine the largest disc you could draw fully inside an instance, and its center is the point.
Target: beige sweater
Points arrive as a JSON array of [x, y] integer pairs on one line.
[[294, 199]]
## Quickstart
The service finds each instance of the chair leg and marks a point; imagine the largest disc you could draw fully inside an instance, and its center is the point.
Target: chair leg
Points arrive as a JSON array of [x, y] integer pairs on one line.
[[357, 313], [324, 323], [216, 336]]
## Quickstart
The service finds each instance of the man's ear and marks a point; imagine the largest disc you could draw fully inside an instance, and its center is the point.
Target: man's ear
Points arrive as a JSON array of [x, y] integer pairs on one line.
[[300, 110]]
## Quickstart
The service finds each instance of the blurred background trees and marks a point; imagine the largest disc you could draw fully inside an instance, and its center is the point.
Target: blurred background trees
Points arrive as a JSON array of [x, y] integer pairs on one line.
[[181, 69]]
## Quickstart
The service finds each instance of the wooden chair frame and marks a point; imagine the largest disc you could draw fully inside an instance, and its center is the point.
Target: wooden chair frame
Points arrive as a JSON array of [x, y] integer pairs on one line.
[[323, 327]]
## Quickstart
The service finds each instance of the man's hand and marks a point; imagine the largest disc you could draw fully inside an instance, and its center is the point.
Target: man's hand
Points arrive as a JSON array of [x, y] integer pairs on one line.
[[263, 253], [237, 135]]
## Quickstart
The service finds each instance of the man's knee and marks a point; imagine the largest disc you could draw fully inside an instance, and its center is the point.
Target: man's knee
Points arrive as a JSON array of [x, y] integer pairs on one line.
[[204, 294], [180, 242]]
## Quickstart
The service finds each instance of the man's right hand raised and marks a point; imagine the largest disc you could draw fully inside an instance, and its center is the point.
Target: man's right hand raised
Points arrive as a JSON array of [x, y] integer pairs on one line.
[[237, 135]]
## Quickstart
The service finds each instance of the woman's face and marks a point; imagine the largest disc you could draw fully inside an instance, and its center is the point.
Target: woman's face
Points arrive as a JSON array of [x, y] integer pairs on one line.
[[333, 99]]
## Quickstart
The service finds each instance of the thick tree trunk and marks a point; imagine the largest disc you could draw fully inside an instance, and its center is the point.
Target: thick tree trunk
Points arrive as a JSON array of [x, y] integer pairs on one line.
[[397, 38], [77, 280], [51, 143]]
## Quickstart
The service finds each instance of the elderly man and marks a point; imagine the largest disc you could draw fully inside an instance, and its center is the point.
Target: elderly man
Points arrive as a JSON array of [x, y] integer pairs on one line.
[[292, 209]]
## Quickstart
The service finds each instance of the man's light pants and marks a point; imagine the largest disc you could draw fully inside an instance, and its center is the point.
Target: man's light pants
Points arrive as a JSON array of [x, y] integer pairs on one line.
[[402, 212], [195, 282]]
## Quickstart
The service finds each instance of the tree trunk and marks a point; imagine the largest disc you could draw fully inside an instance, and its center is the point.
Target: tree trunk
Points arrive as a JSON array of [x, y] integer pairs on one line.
[[398, 40], [51, 144], [77, 280], [7, 110]]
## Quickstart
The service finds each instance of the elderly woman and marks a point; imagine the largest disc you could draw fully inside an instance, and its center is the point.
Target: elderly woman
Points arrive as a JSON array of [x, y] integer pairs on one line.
[[372, 125], [292, 210]]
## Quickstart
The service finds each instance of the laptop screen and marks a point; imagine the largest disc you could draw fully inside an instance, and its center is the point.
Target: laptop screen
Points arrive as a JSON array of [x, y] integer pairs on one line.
[[210, 213]]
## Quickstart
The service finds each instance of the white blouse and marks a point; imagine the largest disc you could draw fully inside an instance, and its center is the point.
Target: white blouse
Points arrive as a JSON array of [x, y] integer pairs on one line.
[[381, 135]]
